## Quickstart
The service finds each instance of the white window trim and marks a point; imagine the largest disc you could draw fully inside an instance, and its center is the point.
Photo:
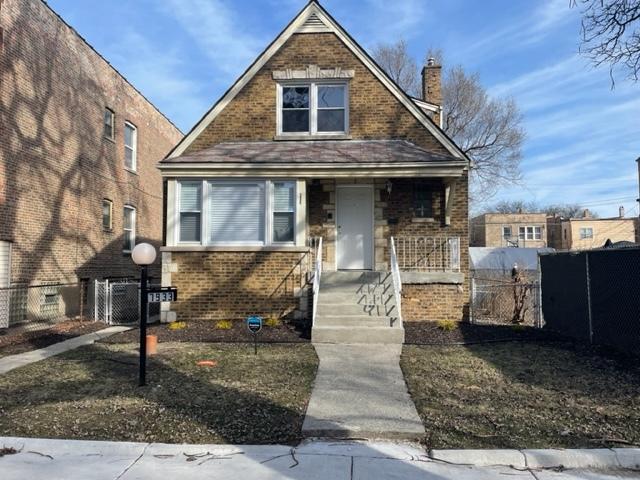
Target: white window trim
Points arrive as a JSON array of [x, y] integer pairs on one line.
[[269, 210], [313, 107], [133, 226], [133, 148], [204, 212], [179, 211], [110, 227], [585, 236], [112, 136]]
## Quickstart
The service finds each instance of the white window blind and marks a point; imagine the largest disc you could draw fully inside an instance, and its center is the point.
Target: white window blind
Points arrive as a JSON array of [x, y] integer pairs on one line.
[[236, 212], [283, 211], [190, 205]]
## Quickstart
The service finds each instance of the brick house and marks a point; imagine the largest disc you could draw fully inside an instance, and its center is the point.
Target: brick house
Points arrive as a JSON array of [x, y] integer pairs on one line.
[[316, 161], [78, 154], [526, 230]]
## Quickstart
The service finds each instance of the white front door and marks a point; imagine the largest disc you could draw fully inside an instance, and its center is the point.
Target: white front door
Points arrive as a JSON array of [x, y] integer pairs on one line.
[[354, 248]]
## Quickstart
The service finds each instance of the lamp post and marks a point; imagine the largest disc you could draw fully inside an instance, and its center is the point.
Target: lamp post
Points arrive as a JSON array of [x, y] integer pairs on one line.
[[144, 255]]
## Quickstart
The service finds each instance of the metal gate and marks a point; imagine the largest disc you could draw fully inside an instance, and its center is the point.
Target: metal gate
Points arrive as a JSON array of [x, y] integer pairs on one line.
[[117, 303], [499, 301]]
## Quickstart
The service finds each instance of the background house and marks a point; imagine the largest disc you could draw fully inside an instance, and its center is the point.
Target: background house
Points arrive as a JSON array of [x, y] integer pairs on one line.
[[525, 230], [78, 154], [587, 232]]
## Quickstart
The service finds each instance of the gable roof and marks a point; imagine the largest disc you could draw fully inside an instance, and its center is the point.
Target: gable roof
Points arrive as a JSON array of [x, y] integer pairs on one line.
[[314, 19]]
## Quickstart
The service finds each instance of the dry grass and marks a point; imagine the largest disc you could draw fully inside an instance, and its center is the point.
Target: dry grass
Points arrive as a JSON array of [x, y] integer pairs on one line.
[[92, 393], [523, 395]]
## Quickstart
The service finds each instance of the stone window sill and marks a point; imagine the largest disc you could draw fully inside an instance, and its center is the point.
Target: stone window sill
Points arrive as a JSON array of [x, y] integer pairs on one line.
[[312, 137], [235, 248], [423, 220]]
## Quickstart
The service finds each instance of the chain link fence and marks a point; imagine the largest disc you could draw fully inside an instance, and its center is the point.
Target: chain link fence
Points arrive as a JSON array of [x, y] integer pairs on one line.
[[505, 302], [118, 302], [39, 306], [594, 296]]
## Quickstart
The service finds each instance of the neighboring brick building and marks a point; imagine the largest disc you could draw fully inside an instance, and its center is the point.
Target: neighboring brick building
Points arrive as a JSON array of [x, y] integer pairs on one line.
[[587, 232], [66, 175], [526, 230], [315, 141]]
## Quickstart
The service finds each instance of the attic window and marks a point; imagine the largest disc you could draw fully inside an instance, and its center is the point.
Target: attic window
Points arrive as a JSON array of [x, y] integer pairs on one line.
[[312, 109]]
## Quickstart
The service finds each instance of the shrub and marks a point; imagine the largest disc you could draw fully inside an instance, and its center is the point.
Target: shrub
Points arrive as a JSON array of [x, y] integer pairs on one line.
[[447, 325], [273, 322], [224, 324], [177, 325]]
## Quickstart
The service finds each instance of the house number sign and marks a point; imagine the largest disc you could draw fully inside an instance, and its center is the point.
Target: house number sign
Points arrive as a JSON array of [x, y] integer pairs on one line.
[[166, 294]]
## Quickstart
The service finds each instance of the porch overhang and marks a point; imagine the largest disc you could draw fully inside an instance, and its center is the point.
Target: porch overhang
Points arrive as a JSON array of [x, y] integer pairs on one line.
[[315, 159], [310, 171]]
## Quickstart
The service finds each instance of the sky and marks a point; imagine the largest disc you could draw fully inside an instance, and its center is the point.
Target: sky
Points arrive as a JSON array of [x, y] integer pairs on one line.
[[582, 136]]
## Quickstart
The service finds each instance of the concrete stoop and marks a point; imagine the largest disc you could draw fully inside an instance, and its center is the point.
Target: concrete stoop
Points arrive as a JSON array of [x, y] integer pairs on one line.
[[357, 307]]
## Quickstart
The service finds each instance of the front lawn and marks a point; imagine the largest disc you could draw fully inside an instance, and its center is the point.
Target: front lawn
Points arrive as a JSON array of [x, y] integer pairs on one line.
[[92, 393], [523, 395]]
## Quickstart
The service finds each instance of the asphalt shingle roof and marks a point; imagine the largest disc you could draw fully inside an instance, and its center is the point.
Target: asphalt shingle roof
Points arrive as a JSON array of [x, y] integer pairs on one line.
[[316, 151]]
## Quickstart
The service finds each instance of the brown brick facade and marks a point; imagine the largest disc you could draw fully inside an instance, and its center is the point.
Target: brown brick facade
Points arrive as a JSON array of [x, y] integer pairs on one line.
[[374, 113], [56, 167], [234, 285], [434, 302]]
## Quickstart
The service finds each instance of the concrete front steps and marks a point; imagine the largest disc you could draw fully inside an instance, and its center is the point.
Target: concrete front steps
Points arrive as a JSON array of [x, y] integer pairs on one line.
[[357, 307]]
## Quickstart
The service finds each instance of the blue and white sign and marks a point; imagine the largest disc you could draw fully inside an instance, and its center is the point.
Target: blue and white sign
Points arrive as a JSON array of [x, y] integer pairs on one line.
[[254, 324]]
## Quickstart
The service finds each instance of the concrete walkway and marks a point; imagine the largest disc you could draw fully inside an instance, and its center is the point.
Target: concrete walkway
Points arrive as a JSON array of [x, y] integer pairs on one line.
[[360, 391], [12, 362], [39, 459]]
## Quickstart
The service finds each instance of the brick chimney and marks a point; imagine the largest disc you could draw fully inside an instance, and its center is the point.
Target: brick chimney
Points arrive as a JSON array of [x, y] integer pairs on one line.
[[586, 213], [432, 86]]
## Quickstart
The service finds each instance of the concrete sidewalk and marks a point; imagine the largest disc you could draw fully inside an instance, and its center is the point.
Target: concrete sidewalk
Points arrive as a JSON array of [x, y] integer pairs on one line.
[[359, 391], [40, 459], [12, 362]]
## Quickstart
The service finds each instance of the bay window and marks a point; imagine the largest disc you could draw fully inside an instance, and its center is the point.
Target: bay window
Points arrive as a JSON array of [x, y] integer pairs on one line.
[[312, 109], [236, 212]]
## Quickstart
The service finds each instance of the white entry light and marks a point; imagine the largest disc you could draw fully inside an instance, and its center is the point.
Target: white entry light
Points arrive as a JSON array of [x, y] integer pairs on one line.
[[143, 254]]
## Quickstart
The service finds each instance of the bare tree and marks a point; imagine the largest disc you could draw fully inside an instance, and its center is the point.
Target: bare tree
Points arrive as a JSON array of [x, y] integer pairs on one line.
[[399, 65], [611, 34], [514, 206], [488, 130], [567, 210]]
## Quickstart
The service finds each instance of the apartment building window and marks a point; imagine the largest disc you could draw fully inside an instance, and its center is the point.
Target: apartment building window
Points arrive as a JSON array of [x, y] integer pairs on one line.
[[530, 233], [506, 232], [313, 108], [109, 125], [129, 228], [422, 200], [130, 146], [107, 214], [586, 233]]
